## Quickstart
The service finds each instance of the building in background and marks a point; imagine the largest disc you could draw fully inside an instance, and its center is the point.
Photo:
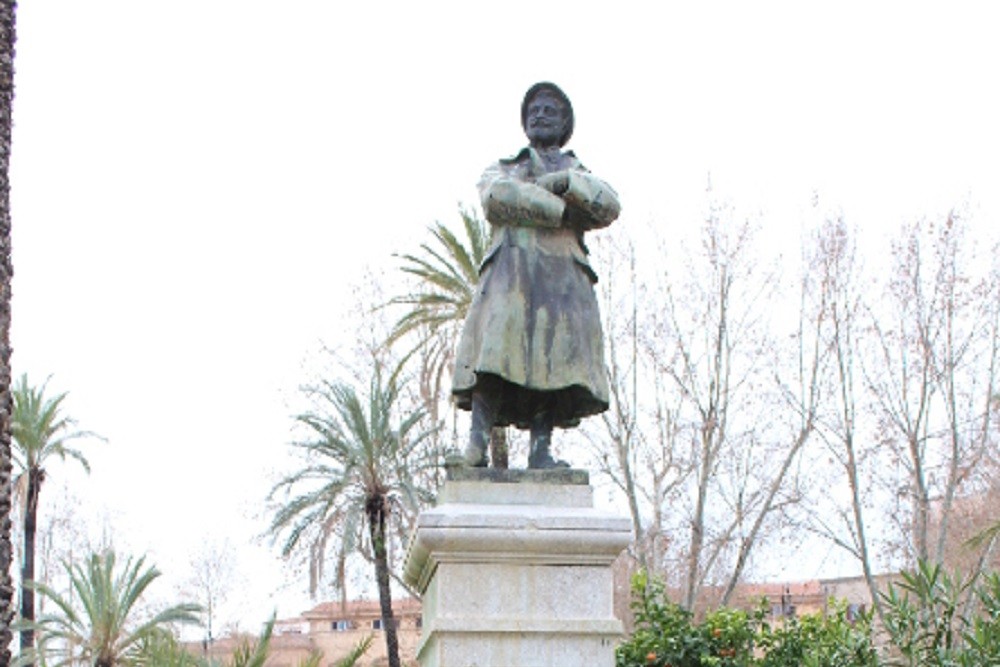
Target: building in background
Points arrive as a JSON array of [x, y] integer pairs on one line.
[[333, 629]]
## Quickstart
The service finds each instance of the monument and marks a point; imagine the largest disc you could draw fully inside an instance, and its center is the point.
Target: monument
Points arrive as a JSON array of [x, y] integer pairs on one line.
[[531, 352], [514, 566]]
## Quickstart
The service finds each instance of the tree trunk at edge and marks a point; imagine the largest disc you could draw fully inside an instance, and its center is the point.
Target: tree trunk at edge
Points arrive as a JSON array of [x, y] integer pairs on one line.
[[376, 529], [7, 37], [28, 565]]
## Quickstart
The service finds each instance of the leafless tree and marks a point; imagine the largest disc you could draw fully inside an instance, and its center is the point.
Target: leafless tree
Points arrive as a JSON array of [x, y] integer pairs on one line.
[[727, 424], [637, 440], [717, 340], [837, 277], [932, 378], [799, 370], [909, 416], [212, 569], [709, 413]]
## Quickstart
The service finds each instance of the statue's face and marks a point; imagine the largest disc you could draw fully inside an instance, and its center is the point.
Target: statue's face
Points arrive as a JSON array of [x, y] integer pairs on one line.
[[545, 120]]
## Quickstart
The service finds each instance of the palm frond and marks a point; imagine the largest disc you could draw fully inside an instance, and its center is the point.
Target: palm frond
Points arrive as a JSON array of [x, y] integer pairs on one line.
[[356, 439], [447, 270], [98, 622], [39, 431], [986, 535], [355, 654], [254, 653]]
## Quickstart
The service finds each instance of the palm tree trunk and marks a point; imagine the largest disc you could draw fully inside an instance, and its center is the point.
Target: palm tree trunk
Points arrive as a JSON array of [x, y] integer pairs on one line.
[[7, 25], [376, 510], [28, 564]]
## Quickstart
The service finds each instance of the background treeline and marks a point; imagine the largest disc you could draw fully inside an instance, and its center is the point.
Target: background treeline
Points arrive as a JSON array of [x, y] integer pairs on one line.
[[783, 401], [784, 404]]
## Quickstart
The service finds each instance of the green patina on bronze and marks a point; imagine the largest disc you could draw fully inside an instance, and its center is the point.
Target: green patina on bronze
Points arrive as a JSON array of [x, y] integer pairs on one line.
[[531, 352], [534, 320]]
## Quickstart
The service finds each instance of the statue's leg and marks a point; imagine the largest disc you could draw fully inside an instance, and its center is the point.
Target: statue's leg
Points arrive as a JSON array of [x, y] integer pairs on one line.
[[541, 440], [485, 404]]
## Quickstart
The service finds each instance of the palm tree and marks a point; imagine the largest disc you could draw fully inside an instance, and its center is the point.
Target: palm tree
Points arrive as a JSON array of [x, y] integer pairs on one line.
[[448, 269], [98, 626], [40, 433], [358, 471], [7, 27]]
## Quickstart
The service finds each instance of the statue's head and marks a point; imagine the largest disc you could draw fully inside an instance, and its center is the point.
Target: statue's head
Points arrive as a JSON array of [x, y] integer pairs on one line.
[[547, 115]]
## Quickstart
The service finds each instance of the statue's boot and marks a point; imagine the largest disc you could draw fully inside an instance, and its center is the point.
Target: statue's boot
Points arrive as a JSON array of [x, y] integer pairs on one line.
[[539, 458], [484, 412]]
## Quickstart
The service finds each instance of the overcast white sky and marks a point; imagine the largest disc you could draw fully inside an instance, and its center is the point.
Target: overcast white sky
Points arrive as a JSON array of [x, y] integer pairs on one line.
[[196, 182]]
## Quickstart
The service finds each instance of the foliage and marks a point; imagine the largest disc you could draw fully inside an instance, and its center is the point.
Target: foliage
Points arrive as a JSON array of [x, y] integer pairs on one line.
[[665, 633], [254, 653], [447, 270], [39, 428], [667, 636], [813, 640], [99, 624], [359, 471], [40, 432], [354, 453], [921, 616], [982, 634], [355, 654], [938, 619], [162, 649]]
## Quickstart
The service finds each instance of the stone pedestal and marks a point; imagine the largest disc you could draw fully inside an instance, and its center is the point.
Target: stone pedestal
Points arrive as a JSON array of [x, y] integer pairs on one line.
[[515, 571]]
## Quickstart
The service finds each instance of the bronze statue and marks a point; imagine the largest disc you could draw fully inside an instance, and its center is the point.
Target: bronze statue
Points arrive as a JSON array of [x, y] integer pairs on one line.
[[531, 352]]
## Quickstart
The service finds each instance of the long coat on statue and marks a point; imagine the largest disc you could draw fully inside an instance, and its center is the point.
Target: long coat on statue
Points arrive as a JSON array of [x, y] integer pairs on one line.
[[534, 320]]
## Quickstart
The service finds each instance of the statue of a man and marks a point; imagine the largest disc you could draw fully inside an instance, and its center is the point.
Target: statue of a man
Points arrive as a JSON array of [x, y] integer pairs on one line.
[[531, 353]]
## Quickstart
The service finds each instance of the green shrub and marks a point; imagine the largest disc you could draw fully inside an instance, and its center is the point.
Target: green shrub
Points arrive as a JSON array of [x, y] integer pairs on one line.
[[667, 636], [936, 619], [931, 619], [819, 640], [664, 635], [982, 635]]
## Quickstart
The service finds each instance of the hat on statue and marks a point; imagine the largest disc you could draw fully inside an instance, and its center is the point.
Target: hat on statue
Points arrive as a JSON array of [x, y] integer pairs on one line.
[[557, 91]]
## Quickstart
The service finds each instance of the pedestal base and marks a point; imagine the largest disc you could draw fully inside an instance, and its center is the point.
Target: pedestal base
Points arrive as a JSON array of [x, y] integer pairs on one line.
[[515, 571]]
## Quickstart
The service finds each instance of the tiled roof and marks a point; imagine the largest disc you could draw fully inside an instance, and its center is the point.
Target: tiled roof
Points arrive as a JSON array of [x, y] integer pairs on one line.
[[355, 608]]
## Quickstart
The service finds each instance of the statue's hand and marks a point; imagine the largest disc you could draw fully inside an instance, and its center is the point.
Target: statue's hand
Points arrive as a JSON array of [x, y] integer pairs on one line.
[[557, 182]]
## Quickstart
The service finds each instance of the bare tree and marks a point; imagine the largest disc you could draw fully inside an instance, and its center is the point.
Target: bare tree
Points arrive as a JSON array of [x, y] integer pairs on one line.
[[933, 376], [636, 441], [212, 572], [836, 275], [798, 373], [716, 335], [708, 416], [719, 402], [913, 386]]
